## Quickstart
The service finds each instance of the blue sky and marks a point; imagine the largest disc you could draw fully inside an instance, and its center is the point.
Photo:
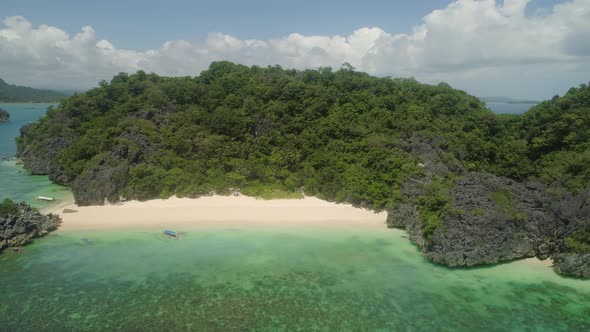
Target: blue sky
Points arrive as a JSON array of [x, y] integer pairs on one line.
[[146, 24], [530, 49]]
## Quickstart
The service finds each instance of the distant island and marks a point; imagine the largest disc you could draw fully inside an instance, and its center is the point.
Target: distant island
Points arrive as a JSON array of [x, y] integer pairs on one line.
[[471, 187], [21, 94], [4, 115], [507, 100]]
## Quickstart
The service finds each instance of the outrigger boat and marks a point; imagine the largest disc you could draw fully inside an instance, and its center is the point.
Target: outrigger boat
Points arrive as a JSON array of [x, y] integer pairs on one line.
[[170, 233], [48, 199]]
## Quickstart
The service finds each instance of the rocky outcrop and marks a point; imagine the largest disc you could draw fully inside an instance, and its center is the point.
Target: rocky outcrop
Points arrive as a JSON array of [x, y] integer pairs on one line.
[[105, 182], [40, 158], [20, 228], [497, 220], [494, 219], [489, 219], [574, 264], [106, 178], [4, 116]]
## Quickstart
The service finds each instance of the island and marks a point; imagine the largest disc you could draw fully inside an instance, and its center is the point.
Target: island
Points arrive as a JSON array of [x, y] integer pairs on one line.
[[469, 186], [4, 115], [10, 93]]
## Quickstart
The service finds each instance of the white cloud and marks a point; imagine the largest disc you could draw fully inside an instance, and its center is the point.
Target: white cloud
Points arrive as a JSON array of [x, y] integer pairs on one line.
[[465, 44]]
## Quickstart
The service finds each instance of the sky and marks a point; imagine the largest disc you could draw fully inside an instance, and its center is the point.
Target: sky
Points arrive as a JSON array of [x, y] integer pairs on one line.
[[531, 49]]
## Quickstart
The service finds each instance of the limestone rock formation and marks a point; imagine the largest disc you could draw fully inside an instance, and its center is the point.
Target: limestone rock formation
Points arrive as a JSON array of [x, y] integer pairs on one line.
[[20, 228]]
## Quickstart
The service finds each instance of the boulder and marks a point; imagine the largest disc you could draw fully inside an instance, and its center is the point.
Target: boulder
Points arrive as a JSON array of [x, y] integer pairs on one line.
[[22, 227], [573, 264]]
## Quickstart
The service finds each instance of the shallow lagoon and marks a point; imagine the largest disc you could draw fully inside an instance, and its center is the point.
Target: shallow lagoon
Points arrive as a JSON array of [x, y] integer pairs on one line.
[[273, 279], [15, 182]]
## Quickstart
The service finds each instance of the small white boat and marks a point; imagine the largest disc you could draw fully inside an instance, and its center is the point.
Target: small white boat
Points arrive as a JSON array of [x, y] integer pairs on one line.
[[48, 199]]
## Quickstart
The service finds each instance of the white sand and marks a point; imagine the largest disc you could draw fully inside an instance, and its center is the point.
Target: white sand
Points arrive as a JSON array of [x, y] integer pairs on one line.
[[535, 261], [224, 211], [217, 211]]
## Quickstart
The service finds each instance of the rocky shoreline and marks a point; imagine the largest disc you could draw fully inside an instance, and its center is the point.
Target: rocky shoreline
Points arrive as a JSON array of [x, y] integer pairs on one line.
[[470, 187], [491, 219], [488, 219], [21, 227]]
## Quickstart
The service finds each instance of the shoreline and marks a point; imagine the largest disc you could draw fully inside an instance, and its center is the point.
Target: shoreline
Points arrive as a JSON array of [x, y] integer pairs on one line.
[[215, 212], [221, 212]]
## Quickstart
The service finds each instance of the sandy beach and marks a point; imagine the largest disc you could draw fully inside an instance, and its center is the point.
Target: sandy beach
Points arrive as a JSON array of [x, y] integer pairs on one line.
[[216, 211], [222, 212]]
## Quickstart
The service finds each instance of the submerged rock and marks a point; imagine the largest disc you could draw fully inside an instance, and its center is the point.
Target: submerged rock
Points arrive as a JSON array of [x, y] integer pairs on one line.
[[20, 228], [86, 242], [4, 116]]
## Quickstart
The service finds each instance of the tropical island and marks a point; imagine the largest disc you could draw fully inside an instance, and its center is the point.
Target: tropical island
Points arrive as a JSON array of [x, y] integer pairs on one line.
[[471, 187], [10, 93], [4, 115]]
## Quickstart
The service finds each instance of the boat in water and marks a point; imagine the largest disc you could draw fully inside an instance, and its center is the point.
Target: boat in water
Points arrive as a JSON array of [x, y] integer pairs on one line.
[[170, 233], [47, 199]]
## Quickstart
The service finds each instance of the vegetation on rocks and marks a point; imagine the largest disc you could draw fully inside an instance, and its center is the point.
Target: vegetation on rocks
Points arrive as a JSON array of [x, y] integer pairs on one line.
[[579, 241], [339, 135], [8, 207]]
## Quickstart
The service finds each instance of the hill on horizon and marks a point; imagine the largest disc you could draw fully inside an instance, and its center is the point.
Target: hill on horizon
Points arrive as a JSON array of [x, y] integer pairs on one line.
[[15, 93]]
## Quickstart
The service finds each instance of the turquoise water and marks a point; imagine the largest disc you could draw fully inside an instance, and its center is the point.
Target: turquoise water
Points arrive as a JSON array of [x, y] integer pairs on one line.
[[273, 280], [509, 108], [18, 185], [20, 114], [15, 183]]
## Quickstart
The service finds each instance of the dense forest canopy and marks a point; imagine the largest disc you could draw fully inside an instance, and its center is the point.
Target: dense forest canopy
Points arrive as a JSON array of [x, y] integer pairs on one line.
[[13, 93], [341, 135]]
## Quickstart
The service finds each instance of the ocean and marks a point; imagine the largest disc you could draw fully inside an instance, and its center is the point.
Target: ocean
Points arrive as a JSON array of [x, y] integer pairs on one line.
[[278, 279], [509, 108], [15, 182], [264, 279]]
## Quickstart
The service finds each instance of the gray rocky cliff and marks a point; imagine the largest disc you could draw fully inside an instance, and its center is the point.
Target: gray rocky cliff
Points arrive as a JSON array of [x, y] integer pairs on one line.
[[22, 227], [490, 219], [106, 178], [41, 157], [497, 220]]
